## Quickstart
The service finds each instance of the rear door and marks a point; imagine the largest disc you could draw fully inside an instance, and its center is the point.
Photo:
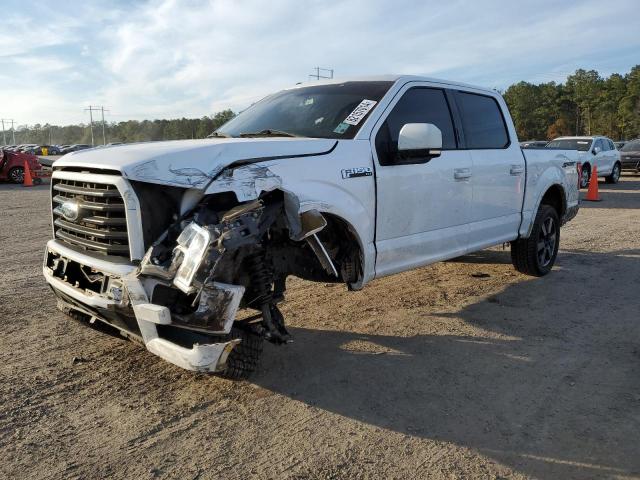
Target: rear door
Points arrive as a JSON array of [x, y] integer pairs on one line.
[[423, 204], [498, 169]]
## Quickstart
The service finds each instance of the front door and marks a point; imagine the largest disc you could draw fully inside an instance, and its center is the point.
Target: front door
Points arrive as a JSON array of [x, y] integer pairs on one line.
[[423, 204]]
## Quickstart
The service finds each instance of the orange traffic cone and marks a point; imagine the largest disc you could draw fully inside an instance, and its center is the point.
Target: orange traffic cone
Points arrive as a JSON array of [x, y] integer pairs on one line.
[[28, 181], [592, 193]]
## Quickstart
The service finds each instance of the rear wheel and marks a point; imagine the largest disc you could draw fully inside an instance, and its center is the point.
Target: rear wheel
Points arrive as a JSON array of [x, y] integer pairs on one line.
[[615, 174], [16, 175], [245, 357], [585, 176], [536, 255]]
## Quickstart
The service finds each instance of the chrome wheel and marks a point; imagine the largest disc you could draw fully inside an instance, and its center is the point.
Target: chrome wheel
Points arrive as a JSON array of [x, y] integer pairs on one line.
[[16, 175], [546, 242]]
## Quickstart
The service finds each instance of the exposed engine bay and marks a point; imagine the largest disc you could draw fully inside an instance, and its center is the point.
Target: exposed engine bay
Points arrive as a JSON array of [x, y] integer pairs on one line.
[[223, 256]]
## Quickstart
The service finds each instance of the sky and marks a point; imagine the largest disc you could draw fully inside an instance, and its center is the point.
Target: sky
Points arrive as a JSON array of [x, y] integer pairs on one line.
[[171, 58]]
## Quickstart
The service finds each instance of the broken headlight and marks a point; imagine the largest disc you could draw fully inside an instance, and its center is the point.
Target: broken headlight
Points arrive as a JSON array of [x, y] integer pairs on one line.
[[193, 243]]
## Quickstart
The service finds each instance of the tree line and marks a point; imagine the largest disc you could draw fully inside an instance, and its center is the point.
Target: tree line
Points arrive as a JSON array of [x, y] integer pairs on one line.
[[586, 104], [127, 131]]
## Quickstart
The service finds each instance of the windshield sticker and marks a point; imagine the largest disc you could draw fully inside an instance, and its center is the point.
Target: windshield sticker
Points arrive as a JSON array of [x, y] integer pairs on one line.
[[360, 112], [308, 101], [340, 129]]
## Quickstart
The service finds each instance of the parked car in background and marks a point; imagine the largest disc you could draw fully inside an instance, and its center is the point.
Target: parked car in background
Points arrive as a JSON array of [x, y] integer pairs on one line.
[[630, 155], [12, 165], [45, 150], [619, 144], [330, 183], [27, 148], [595, 151], [74, 148], [534, 144]]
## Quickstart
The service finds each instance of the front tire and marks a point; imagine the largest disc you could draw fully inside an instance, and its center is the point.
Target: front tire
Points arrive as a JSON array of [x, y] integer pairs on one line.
[[245, 357], [536, 255], [615, 174], [16, 175]]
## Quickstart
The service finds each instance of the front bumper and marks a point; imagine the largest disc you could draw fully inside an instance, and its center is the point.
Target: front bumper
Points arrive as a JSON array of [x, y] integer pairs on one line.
[[123, 302], [630, 163]]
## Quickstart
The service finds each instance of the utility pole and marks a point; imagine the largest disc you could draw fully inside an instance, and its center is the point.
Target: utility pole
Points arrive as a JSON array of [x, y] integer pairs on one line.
[[4, 135], [104, 137], [13, 132], [101, 109], [90, 108], [326, 73]]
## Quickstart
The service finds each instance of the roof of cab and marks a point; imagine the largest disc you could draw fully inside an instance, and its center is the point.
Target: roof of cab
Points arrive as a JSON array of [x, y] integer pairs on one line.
[[395, 79], [579, 137]]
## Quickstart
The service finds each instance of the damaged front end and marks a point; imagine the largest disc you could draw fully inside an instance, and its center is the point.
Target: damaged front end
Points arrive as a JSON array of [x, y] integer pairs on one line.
[[224, 257], [205, 293]]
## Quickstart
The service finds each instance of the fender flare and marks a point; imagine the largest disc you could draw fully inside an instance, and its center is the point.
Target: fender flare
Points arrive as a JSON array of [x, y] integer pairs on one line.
[[551, 178]]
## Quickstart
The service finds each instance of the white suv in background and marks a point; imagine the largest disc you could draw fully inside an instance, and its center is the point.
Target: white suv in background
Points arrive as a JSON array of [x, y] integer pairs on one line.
[[596, 151]]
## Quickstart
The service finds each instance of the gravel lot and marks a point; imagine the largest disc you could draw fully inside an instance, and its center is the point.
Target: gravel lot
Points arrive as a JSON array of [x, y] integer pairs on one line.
[[464, 369]]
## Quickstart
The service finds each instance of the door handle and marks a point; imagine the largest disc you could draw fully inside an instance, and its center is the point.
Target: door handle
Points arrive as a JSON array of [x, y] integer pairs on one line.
[[516, 170], [461, 173]]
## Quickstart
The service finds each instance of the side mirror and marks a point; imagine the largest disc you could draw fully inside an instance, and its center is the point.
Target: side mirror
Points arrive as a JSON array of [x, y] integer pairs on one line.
[[419, 140], [596, 150]]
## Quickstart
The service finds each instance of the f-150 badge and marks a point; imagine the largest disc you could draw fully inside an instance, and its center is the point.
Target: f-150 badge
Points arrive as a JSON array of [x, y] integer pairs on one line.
[[357, 172]]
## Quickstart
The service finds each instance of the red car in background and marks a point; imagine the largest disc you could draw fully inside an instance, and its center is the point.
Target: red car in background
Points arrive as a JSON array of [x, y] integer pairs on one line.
[[12, 166]]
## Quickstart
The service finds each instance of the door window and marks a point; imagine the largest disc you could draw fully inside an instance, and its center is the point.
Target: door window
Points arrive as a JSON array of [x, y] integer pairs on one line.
[[417, 105], [482, 121]]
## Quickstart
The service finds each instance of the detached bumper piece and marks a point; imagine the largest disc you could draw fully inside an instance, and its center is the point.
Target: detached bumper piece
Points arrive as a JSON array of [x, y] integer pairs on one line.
[[117, 296]]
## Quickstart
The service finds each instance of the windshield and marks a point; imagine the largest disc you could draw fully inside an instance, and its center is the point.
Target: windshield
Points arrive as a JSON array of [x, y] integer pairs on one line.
[[633, 146], [321, 111], [582, 145]]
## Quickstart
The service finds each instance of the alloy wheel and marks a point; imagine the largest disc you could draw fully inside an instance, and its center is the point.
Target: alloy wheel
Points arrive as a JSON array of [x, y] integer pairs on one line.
[[546, 246], [16, 175]]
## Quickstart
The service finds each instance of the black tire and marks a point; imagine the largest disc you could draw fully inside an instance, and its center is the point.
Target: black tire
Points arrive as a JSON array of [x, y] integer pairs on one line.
[[585, 176], [16, 175], [615, 174], [536, 255], [245, 357]]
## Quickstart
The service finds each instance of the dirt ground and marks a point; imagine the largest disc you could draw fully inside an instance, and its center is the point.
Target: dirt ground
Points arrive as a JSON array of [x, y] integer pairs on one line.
[[464, 369]]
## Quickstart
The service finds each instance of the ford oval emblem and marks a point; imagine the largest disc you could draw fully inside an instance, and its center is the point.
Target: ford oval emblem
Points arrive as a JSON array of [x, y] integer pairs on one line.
[[70, 210]]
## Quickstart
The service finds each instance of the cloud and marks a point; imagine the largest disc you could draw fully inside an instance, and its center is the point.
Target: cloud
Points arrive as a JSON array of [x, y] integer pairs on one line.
[[170, 58]]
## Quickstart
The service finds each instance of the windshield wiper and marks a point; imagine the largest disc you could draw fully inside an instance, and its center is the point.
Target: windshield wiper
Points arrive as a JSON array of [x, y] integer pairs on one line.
[[268, 133], [218, 135]]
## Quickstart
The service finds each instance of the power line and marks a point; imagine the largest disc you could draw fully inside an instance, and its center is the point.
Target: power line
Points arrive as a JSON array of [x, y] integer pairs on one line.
[[326, 73]]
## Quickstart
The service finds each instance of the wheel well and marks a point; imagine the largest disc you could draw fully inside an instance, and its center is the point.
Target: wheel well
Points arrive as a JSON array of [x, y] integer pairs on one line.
[[344, 243], [586, 165], [554, 197]]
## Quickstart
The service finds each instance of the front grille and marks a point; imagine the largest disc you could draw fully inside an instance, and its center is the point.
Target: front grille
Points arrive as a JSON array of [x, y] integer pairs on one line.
[[101, 223]]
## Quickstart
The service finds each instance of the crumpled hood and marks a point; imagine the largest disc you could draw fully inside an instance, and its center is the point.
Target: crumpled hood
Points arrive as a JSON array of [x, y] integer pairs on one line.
[[191, 163]]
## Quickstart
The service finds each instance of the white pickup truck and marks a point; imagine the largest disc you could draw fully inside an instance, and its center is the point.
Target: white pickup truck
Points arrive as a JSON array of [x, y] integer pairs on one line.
[[185, 246]]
